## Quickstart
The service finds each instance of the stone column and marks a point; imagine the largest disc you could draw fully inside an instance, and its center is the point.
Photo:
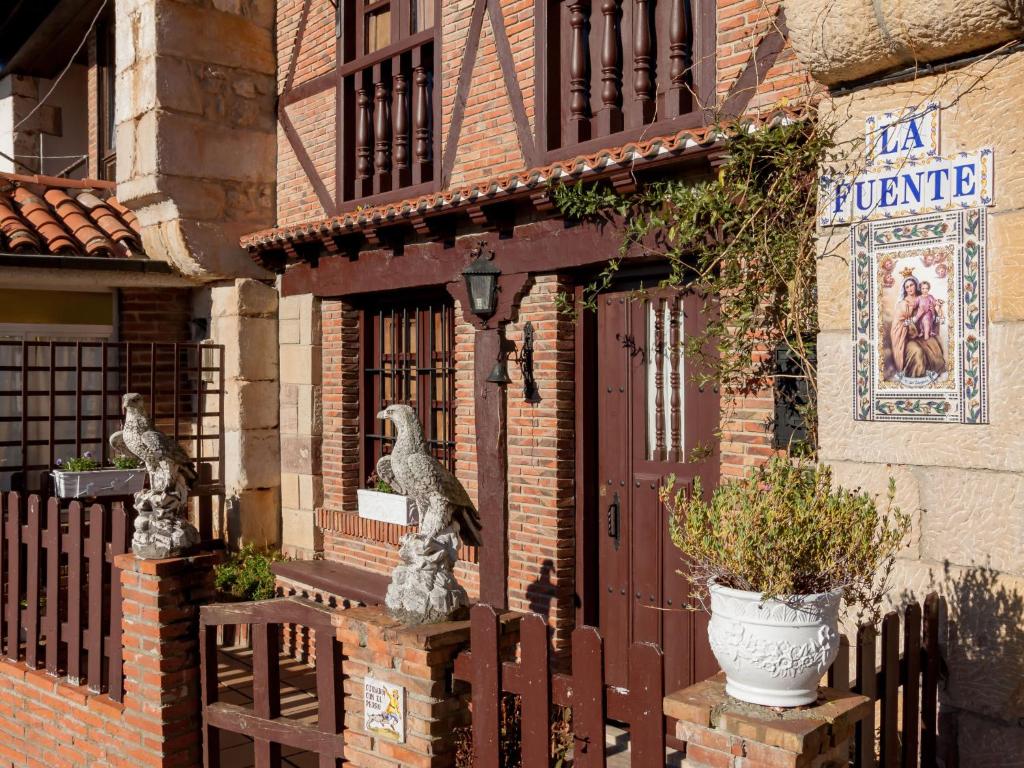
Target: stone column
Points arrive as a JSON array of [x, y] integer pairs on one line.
[[244, 320], [420, 660], [302, 485], [721, 731], [161, 600]]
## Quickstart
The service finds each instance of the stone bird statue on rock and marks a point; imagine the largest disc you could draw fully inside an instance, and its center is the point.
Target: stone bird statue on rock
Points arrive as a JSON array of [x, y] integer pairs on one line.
[[413, 471], [163, 457]]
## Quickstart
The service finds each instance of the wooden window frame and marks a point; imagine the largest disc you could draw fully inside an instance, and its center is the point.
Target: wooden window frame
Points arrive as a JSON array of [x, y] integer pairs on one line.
[[352, 30], [106, 151], [375, 435]]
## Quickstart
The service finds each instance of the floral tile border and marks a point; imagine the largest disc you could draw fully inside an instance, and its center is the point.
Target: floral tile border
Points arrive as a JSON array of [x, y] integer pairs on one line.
[[962, 395]]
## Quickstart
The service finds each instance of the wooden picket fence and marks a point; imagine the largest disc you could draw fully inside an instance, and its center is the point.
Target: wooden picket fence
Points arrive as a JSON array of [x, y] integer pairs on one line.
[[61, 592], [905, 685]]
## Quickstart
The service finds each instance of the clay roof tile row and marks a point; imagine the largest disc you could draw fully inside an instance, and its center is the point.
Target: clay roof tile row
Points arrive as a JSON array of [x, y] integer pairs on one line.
[[65, 217], [570, 170]]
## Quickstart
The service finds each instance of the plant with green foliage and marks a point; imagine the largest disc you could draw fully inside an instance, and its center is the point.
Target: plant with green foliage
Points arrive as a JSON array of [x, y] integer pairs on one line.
[[246, 574], [376, 483], [745, 241], [126, 462], [83, 463], [788, 530]]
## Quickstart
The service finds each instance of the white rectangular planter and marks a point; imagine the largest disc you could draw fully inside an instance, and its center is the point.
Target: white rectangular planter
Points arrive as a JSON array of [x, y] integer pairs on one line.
[[387, 507], [98, 482]]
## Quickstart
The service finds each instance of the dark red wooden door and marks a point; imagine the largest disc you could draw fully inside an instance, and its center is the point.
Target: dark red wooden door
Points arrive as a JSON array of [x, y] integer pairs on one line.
[[653, 421]]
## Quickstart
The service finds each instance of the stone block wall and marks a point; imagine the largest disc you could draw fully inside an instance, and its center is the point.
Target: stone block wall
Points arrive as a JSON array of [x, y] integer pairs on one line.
[[964, 483], [244, 319], [196, 124], [299, 335]]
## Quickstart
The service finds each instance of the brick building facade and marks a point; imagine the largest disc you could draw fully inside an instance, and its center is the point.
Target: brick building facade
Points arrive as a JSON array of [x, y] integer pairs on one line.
[[395, 159]]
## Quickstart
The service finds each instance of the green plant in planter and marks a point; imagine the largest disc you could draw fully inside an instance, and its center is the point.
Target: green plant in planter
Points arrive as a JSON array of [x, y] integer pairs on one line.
[[788, 530], [247, 574], [126, 462], [375, 483], [83, 463]]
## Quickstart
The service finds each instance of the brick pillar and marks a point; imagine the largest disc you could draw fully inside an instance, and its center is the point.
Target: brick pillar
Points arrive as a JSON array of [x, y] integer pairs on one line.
[[722, 732], [419, 659], [161, 600]]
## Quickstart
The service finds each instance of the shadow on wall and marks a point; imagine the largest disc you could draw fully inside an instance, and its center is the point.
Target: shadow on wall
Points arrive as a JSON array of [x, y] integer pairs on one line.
[[541, 593], [984, 655]]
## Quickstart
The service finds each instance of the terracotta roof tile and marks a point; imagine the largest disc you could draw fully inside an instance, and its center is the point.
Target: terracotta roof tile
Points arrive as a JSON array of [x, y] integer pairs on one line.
[[68, 217], [567, 170]]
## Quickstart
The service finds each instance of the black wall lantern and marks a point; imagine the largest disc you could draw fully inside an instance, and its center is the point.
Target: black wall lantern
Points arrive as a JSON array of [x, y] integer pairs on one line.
[[482, 282], [524, 358]]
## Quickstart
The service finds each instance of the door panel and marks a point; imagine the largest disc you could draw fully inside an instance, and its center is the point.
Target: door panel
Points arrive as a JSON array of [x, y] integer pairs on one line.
[[650, 418]]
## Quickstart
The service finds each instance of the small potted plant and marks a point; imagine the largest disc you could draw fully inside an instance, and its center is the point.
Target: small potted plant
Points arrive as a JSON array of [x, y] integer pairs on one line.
[[83, 477], [777, 553], [382, 503]]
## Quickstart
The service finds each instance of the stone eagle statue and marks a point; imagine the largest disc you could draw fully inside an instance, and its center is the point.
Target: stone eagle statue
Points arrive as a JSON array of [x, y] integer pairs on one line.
[[161, 527], [423, 587], [412, 470], [163, 457]]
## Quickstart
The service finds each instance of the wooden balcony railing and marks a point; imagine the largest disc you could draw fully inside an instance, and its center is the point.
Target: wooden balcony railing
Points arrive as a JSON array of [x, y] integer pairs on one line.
[[612, 71], [387, 122]]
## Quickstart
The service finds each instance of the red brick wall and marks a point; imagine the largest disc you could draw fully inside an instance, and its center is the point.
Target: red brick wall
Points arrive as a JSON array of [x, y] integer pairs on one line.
[[305, 50], [742, 25], [155, 314], [541, 466]]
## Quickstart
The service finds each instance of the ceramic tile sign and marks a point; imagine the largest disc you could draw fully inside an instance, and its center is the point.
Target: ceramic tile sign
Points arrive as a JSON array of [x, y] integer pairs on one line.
[[919, 319], [906, 174], [384, 709]]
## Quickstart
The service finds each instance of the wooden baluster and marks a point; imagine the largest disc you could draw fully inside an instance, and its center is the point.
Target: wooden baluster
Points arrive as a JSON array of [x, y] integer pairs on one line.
[[643, 83], [363, 129], [678, 53], [382, 129], [401, 120], [659, 379], [610, 119], [577, 64], [579, 75], [421, 118], [679, 59], [676, 400]]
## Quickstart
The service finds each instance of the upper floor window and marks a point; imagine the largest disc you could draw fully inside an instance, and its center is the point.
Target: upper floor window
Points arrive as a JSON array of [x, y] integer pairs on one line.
[[386, 147], [618, 70], [106, 82]]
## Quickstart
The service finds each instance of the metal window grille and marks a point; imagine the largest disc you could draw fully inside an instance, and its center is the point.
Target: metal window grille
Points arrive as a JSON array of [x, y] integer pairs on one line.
[[409, 359]]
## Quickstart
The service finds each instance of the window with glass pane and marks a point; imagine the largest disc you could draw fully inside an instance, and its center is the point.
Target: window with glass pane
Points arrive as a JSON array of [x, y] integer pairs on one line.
[[377, 29], [409, 359]]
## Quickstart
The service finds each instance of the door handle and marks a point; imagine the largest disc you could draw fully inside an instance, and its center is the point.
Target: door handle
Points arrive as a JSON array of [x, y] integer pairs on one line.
[[613, 519]]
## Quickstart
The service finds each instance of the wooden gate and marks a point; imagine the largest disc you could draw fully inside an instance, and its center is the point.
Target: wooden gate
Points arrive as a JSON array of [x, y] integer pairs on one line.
[[905, 686], [264, 722]]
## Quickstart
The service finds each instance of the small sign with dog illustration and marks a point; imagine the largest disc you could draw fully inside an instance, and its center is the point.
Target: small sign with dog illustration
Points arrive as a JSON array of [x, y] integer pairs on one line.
[[384, 709]]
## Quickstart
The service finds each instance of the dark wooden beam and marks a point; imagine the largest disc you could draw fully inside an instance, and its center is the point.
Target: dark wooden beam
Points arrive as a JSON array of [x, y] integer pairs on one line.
[[538, 247]]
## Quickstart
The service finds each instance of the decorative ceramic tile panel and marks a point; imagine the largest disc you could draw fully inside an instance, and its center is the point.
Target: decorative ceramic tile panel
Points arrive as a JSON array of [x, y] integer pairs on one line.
[[919, 318]]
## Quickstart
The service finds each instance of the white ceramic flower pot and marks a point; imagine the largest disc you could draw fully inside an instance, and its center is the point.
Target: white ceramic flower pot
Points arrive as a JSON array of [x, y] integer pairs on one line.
[[773, 653], [96, 483], [387, 507]]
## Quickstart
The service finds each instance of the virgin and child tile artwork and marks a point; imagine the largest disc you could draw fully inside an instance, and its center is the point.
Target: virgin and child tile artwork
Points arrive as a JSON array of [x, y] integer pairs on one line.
[[919, 318]]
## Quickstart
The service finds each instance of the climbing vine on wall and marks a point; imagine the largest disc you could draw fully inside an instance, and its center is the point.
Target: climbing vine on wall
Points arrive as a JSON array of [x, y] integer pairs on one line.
[[745, 240]]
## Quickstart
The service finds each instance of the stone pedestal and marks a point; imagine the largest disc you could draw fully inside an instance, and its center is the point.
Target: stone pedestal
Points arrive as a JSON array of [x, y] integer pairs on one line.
[[420, 660], [722, 732]]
